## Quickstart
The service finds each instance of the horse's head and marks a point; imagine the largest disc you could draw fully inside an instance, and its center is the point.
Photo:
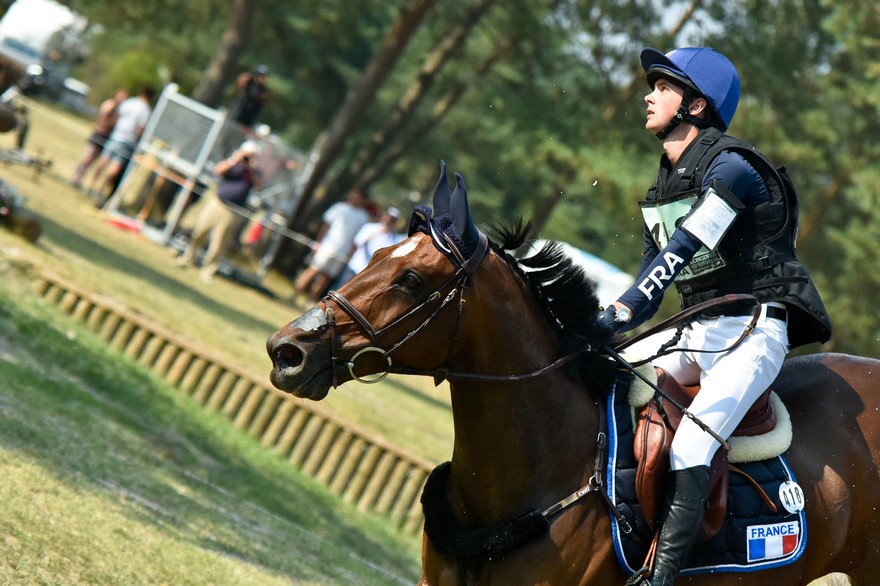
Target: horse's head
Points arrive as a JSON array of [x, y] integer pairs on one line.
[[408, 289], [407, 311]]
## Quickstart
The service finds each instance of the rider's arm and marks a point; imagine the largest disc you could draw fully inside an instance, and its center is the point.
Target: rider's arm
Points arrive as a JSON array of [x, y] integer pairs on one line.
[[644, 297], [648, 256], [733, 172]]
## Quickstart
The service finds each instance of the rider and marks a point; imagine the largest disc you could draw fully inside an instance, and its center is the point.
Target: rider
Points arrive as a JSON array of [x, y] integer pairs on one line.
[[717, 221]]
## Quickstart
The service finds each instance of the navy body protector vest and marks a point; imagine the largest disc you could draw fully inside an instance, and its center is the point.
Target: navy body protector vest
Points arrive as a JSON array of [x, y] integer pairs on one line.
[[759, 251]]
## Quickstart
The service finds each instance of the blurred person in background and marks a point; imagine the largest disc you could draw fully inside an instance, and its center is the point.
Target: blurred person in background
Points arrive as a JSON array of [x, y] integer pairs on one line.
[[251, 93], [370, 238], [334, 244], [224, 213], [119, 148], [105, 121]]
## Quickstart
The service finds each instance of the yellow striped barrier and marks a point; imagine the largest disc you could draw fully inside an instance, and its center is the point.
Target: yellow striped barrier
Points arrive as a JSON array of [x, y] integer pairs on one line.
[[360, 468]]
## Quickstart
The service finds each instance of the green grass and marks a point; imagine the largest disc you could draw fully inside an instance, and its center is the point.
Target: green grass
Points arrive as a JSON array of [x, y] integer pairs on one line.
[[108, 476], [229, 319]]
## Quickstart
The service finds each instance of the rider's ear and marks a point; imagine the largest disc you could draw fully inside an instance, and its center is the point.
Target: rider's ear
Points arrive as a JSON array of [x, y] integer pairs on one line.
[[697, 106]]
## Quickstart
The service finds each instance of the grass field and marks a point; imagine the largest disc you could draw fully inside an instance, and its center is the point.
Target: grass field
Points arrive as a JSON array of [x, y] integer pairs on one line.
[[107, 476], [81, 246]]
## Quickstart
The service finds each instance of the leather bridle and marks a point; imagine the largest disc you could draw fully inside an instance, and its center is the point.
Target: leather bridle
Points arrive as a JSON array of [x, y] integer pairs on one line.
[[459, 283]]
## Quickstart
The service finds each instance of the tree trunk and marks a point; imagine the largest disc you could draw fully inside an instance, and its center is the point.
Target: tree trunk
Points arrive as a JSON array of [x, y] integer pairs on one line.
[[371, 174], [349, 177], [224, 64], [329, 144], [409, 101], [545, 206]]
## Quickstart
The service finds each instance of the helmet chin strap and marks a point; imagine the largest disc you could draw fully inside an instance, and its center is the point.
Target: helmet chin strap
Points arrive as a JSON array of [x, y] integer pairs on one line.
[[683, 115]]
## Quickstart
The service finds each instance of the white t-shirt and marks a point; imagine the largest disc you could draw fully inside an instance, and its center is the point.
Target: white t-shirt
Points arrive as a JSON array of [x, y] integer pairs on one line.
[[343, 222], [368, 240], [133, 116]]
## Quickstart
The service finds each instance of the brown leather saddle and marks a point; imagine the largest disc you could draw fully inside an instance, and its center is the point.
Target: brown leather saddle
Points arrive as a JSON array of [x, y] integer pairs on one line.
[[656, 423]]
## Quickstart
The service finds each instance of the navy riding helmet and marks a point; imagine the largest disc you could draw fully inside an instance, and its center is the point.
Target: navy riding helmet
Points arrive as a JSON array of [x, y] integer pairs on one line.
[[702, 69]]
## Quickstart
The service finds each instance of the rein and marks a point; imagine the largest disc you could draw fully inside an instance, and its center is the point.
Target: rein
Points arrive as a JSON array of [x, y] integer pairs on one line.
[[459, 283], [685, 316], [440, 524], [448, 538]]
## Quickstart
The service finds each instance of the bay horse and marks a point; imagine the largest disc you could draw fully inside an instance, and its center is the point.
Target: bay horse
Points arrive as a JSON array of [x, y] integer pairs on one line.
[[519, 343]]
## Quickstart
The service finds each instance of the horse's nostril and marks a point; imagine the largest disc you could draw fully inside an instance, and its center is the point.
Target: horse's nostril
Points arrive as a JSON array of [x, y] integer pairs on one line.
[[288, 356]]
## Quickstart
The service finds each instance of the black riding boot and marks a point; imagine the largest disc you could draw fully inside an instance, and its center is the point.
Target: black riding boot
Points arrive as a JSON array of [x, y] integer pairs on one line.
[[686, 506]]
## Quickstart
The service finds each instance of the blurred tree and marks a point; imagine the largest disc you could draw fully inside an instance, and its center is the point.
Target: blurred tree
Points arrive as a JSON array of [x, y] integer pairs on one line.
[[378, 168], [447, 47], [174, 38], [839, 111], [224, 63], [330, 142], [4, 6], [542, 108]]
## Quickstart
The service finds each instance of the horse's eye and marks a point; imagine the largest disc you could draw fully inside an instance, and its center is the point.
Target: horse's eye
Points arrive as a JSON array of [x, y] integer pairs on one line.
[[410, 281]]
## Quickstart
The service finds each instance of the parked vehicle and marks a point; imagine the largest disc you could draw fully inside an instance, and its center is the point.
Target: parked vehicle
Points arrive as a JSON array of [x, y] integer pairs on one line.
[[41, 81], [20, 52]]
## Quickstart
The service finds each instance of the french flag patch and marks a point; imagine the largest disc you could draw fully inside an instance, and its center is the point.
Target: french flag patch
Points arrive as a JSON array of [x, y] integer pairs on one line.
[[767, 542]]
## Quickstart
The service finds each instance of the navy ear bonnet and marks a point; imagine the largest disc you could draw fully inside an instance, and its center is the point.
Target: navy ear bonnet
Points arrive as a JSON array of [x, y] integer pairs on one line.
[[451, 225]]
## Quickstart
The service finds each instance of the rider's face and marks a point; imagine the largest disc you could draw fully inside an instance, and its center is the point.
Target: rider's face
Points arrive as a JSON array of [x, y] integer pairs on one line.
[[662, 104]]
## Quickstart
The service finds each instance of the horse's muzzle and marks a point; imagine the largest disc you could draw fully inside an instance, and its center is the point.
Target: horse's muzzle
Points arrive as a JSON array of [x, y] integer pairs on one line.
[[294, 367]]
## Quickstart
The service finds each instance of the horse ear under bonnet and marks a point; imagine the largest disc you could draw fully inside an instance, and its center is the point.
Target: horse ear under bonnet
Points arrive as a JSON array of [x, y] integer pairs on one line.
[[450, 224]]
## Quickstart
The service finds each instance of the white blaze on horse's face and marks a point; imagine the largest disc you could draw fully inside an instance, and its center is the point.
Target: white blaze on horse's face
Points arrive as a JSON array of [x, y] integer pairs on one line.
[[404, 249], [311, 321]]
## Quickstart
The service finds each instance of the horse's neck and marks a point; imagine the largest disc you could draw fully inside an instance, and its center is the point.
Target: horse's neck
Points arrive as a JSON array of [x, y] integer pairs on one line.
[[519, 446]]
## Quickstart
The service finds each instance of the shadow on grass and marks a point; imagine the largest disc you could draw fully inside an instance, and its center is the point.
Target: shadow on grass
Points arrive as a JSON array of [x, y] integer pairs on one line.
[[101, 255], [102, 424]]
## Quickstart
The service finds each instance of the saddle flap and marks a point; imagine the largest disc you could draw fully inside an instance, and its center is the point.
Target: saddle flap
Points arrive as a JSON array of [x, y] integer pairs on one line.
[[655, 427], [758, 420], [651, 446]]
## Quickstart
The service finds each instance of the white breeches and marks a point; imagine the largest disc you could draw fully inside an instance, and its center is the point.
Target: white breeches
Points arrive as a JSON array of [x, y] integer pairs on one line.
[[730, 381]]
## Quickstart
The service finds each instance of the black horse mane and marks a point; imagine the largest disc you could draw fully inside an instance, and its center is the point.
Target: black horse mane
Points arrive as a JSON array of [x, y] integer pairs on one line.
[[565, 294]]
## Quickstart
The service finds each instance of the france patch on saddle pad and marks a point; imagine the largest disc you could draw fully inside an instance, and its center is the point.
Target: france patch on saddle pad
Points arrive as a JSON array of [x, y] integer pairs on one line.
[[752, 538], [768, 542]]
